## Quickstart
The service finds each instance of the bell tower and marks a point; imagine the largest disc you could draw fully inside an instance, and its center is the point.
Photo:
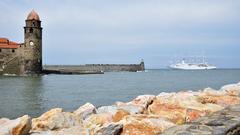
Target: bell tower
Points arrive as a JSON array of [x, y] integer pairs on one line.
[[33, 44]]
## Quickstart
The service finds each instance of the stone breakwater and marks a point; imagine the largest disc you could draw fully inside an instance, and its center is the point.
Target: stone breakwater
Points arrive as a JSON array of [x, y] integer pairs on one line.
[[205, 112]]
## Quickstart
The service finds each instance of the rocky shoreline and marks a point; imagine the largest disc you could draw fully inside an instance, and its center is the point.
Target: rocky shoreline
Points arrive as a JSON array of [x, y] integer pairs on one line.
[[205, 112]]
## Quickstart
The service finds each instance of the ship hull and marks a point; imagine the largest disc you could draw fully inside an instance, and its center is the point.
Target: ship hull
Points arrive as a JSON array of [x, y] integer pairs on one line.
[[192, 68]]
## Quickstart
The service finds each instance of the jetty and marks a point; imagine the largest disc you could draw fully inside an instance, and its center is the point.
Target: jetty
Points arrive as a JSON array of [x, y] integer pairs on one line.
[[204, 112], [95, 68]]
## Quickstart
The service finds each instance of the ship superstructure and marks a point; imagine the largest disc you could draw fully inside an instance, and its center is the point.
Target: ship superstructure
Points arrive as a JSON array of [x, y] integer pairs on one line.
[[183, 65]]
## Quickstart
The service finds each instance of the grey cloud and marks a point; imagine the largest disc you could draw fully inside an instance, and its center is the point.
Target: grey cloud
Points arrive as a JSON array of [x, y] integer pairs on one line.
[[133, 28]]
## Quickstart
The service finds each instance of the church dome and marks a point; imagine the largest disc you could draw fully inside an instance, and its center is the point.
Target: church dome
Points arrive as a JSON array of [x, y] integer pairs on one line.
[[33, 16]]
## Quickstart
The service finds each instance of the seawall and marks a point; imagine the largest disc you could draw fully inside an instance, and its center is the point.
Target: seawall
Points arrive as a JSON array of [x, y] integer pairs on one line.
[[207, 111], [69, 71], [98, 67]]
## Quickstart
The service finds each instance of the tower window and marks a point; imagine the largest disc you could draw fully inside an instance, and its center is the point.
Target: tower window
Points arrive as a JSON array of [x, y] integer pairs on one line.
[[13, 50], [0, 50], [33, 24], [31, 30]]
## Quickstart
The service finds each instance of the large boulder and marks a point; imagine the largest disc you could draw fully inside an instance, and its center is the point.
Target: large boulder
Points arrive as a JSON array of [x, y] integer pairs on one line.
[[232, 89], [142, 124], [118, 112], [164, 97], [173, 112], [75, 130], [210, 91], [132, 109], [108, 109], [168, 105], [96, 121], [119, 115], [190, 101], [223, 100], [109, 129], [84, 111], [119, 103], [181, 107], [19, 126], [223, 122], [55, 119], [142, 100], [188, 129], [183, 97]]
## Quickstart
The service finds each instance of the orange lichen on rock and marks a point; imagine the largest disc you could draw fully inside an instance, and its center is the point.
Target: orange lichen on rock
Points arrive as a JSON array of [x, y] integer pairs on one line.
[[19, 126], [19, 130], [232, 89], [173, 112], [194, 114], [138, 128], [224, 101], [143, 124], [181, 107], [120, 114], [143, 100], [55, 119], [97, 119]]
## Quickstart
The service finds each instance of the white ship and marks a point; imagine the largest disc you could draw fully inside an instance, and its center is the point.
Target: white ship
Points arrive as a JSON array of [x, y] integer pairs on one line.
[[183, 65]]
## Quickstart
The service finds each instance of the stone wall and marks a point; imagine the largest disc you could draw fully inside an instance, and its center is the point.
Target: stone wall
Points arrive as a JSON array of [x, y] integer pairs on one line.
[[13, 66], [19, 61], [10, 61], [7, 54]]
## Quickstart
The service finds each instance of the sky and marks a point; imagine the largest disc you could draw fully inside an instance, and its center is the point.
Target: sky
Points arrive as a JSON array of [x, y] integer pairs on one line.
[[126, 31]]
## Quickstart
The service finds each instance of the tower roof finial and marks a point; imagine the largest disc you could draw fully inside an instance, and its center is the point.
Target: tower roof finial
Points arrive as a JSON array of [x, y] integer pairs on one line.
[[33, 16]]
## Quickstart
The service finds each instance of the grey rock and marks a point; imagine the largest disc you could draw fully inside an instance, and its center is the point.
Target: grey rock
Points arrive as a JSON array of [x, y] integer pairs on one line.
[[177, 130], [226, 121], [107, 109], [132, 109], [110, 129], [75, 130], [85, 110], [19, 126]]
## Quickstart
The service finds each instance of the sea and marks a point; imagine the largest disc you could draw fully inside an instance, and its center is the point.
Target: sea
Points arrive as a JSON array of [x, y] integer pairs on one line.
[[36, 95]]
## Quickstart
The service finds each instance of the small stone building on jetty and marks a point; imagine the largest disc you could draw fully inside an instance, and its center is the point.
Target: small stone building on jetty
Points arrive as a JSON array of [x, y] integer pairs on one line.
[[26, 58]]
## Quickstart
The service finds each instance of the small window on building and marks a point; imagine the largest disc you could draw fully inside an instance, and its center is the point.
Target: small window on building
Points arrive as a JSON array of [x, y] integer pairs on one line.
[[13, 50], [33, 24], [31, 30], [0, 50]]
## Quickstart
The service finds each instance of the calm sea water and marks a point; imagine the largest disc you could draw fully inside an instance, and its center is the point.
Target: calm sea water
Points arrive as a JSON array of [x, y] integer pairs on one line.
[[35, 95]]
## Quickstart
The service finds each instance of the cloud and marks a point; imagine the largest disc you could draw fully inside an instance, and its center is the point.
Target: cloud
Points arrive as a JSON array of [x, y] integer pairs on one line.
[[138, 27]]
